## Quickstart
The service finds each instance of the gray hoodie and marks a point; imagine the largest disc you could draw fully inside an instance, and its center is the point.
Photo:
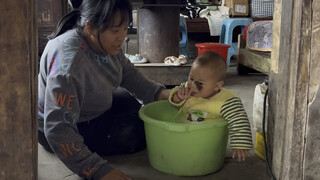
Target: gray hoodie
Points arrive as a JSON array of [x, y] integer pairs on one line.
[[75, 84]]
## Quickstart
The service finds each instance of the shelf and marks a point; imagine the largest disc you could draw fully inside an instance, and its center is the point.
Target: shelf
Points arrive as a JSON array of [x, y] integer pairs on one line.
[[160, 65], [197, 25]]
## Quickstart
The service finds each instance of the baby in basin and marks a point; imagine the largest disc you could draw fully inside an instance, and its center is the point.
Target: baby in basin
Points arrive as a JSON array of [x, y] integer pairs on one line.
[[203, 99]]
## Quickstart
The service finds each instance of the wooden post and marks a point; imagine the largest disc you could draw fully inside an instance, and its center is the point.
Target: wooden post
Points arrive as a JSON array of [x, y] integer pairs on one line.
[[293, 100], [18, 90], [311, 162], [158, 33]]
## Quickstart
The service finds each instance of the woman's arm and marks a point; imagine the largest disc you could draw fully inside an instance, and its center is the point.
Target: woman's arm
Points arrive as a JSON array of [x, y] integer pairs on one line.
[[139, 85], [62, 111], [164, 94]]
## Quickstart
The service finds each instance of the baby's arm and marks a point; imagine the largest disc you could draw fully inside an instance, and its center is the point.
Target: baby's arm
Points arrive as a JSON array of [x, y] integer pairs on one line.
[[182, 94], [239, 128]]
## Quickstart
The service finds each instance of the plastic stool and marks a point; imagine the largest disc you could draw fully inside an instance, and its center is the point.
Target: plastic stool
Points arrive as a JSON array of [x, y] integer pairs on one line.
[[183, 44], [227, 28]]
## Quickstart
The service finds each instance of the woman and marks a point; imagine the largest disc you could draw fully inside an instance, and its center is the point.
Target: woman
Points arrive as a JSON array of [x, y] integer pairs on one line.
[[83, 113]]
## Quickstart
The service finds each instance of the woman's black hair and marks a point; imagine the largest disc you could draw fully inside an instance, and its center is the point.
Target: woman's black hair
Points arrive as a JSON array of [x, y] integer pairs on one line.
[[100, 13]]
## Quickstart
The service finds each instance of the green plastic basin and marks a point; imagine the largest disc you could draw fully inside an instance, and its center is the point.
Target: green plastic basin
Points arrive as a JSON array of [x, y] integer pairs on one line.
[[180, 148]]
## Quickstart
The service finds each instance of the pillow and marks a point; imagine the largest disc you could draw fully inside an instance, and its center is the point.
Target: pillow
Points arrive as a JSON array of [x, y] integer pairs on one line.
[[259, 36]]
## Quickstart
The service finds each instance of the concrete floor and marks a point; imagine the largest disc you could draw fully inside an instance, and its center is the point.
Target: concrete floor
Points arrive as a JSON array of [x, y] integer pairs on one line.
[[137, 167]]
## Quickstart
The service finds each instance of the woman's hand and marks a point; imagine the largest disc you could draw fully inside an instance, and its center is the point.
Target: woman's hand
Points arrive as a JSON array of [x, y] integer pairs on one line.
[[115, 174], [241, 153]]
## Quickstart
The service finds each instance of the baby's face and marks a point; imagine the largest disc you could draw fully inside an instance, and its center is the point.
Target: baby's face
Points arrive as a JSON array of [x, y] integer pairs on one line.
[[202, 81]]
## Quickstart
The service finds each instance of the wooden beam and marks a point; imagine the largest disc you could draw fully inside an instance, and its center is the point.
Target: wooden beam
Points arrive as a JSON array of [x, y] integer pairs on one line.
[[289, 86], [311, 162], [18, 89], [259, 61]]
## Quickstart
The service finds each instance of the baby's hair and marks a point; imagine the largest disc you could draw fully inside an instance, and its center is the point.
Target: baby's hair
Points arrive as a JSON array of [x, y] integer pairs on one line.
[[215, 62]]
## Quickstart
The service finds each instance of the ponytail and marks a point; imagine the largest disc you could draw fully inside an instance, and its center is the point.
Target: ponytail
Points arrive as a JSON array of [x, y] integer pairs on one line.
[[100, 13], [68, 22]]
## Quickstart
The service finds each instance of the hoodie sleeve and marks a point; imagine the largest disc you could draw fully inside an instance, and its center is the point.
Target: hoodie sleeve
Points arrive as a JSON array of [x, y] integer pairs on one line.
[[136, 83], [62, 107]]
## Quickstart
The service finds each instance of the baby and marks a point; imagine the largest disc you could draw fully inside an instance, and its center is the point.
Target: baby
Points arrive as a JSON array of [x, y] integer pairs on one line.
[[203, 99]]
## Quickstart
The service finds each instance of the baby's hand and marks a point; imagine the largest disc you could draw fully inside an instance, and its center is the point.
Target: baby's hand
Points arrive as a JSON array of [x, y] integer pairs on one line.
[[241, 153], [182, 94]]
